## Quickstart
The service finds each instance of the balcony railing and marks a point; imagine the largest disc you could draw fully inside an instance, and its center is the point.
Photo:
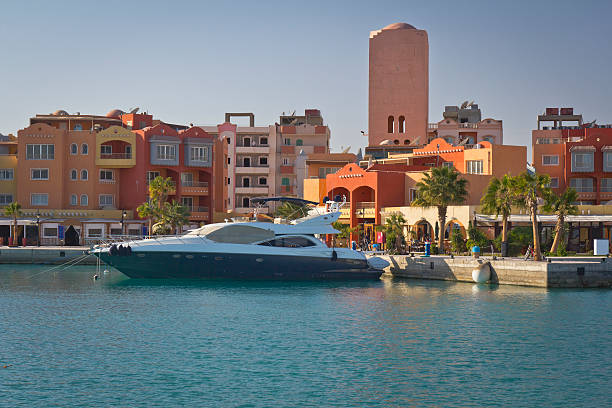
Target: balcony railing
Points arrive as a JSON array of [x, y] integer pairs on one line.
[[115, 155], [187, 183], [365, 204], [198, 209]]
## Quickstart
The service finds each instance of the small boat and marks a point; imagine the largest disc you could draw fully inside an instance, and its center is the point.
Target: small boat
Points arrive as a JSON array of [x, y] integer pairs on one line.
[[246, 250]]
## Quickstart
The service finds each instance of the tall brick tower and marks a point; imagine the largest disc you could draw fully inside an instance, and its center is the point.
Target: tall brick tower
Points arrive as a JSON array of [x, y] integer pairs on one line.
[[399, 86]]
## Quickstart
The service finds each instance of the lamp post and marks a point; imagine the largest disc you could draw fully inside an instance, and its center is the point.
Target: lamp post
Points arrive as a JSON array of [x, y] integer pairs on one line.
[[123, 215], [38, 227]]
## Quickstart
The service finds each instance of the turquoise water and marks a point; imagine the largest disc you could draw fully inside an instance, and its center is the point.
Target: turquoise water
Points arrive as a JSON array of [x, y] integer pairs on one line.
[[72, 341]]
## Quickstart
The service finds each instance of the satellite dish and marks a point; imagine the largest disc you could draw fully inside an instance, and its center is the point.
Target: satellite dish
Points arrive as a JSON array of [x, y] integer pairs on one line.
[[471, 103], [464, 105], [346, 150], [134, 110], [293, 113], [416, 140], [386, 142]]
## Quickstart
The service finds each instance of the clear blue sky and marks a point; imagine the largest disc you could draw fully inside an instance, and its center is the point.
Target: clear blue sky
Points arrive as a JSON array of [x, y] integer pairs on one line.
[[192, 61]]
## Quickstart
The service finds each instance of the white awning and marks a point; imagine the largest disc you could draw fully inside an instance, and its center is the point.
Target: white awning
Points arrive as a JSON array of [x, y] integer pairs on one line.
[[583, 148], [547, 219]]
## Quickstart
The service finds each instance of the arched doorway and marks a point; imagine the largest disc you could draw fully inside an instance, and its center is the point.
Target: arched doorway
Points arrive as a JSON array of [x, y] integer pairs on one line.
[[424, 231], [71, 237]]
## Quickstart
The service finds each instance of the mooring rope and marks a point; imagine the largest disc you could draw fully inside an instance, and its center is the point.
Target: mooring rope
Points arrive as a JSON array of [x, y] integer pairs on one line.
[[66, 265]]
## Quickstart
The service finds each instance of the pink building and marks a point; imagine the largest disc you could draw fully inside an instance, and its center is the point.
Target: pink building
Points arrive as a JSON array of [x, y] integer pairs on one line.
[[398, 86]]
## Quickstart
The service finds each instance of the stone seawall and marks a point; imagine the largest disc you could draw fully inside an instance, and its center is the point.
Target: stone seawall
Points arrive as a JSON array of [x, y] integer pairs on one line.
[[44, 255], [506, 271]]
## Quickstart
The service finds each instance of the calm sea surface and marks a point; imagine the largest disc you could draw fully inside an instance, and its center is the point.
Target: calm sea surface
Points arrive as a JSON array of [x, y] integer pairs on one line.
[[72, 341]]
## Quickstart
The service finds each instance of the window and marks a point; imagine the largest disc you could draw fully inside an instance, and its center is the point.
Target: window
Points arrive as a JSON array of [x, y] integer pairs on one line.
[[246, 162], [229, 141], [390, 123], [285, 161], [606, 185], [7, 174], [489, 139], [246, 142], [166, 152], [50, 232], [299, 142], [285, 181], [607, 164], [106, 200], [78, 126], [84, 200], [287, 142], [229, 160], [229, 181], [263, 141], [40, 152], [554, 182], [289, 242], [94, 233], [582, 161], [550, 160], [106, 150], [6, 199], [74, 149], [73, 199], [246, 182], [263, 161], [447, 164], [473, 166], [199, 153], [582, 185], [263, 181], [74, 174], [106, 175], [116, 231], [39, 199], [84, 174], [39, 174], [402, 120], [187, 202], [84, 148], [187, 179], [128, 151], [413, 194], [324, 171], [245, 202], [134, 231], [151, 175]]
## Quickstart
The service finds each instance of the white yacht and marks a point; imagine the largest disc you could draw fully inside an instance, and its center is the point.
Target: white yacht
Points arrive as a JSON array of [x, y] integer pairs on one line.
[[245, 250]]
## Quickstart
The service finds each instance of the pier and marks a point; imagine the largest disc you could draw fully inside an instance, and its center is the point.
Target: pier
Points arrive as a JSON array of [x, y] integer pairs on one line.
[[55, 255], [558, 273]]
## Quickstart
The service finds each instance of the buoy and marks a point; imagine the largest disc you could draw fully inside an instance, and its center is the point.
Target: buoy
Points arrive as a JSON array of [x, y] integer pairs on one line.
[[106, 271], [96, 277], [482, 273]]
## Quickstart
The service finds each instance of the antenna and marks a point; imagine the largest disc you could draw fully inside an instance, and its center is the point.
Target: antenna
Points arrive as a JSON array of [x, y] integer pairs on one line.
[[134, 110], [293, 113]]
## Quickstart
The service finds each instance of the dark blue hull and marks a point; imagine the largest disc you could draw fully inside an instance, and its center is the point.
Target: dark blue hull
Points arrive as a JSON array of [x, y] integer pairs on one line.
[[171, 265]]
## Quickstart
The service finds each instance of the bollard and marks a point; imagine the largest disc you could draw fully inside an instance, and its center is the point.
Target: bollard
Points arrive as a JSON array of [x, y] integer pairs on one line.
[[476, 251]]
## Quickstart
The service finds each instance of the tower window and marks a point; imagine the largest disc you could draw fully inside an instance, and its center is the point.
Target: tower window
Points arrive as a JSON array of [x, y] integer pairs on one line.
[[390, 123], [402, 121]]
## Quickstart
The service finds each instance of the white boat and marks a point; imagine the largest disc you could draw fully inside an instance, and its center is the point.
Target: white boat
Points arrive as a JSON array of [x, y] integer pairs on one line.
[[245, 250]]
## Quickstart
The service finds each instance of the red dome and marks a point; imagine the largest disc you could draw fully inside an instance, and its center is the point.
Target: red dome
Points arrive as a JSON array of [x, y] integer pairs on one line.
[[115, 113], [399, 26]]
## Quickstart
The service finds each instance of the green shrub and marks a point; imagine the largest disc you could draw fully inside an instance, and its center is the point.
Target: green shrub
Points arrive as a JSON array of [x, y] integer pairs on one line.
[[457, 242], [477, 238], [434, 249]]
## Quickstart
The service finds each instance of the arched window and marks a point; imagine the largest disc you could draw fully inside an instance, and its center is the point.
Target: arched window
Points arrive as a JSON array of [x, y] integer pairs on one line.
[[299, 142], [74, 175], [78, 126], [73, 199], [84, 200], [402, 120], [84, 148], [396, 142], [390, 123], [74, 149], [84, 174], [407, 141]]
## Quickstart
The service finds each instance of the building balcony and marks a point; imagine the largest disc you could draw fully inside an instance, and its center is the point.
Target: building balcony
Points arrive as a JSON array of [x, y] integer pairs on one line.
[[584, 195], [199, 188], [252, 149], [117, 137], [287, 170], [253, 170], [365, 210], [252, 190], [199, 214], [287, 149]]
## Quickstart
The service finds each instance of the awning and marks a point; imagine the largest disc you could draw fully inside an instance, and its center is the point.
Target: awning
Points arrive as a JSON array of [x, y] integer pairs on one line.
[[547, 219], [583, 148]]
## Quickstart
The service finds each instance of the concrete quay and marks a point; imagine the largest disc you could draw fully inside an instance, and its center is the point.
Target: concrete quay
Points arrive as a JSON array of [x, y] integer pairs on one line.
[[566, 273], [44, 255]]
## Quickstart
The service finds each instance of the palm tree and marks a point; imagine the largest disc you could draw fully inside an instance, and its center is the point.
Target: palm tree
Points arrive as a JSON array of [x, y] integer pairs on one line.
[[159, 188], [562, 206], [290, 211], [175, 215], [148, 210], [531, 187], [441, 188], [501, 195], [13, 210], [394, 230]]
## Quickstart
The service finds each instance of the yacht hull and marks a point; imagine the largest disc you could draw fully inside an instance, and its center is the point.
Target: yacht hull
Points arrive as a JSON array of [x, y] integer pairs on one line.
[[198, 265]]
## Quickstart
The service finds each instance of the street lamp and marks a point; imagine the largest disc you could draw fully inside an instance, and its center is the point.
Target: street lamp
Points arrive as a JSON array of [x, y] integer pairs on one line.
[[123, 216], [38, 226]]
